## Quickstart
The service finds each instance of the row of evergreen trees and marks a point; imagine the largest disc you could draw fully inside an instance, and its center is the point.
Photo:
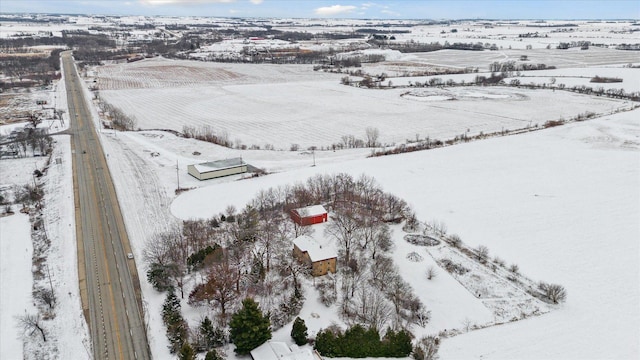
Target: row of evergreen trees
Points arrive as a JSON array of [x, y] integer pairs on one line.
[[358, 342]]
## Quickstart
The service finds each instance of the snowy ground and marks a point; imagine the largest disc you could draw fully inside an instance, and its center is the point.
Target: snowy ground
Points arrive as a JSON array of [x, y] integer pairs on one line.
[[15, 298], [261, 112], [545, 201]]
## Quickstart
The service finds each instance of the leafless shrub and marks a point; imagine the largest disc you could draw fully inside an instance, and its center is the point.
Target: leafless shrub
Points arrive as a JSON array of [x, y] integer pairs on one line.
[[514, 268], [426, 348], [431, 272], [439, 227], [46, 296], [554, 292], [452, 267], [455, 240], [482, 252], [328, 295]]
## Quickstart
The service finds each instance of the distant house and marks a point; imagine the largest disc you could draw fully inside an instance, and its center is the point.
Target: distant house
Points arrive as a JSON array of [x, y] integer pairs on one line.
[[322, 260], [276, 350], [216, 169], [309, 215]]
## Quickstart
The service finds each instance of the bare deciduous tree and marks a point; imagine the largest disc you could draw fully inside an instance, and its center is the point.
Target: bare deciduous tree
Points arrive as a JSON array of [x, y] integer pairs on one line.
[[482, 252], [455, 240], [427, 348], [372, 308], [382, 270], [30, 323], [554, 292], [343, 227], [372, 136], [220, 287], [431, 272]]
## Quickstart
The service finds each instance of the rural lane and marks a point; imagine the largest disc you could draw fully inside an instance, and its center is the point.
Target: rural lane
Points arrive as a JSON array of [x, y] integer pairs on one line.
[[109, 283]]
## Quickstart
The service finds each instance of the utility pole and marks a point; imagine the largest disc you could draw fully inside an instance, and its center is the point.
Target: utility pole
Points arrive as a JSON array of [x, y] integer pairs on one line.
[[49, 275], [178, 174]]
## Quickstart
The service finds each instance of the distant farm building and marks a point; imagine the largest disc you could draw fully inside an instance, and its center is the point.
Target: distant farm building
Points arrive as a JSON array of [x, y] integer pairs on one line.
[[216, 169], [276, 350], [321, 259], [309, 215]]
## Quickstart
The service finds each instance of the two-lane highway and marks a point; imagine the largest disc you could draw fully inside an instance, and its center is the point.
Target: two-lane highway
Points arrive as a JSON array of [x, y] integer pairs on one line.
[[109, 284]]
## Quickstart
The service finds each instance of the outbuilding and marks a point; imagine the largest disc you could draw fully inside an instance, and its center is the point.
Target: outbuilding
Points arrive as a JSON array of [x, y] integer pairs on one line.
[[315, 214], [216, 169], [321, 259]]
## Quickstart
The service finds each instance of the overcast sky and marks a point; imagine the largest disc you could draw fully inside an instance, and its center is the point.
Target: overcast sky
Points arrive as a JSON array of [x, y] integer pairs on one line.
[[379, 9]]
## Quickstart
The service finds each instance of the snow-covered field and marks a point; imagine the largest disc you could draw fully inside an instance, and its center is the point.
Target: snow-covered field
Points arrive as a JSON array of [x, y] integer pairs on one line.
[[563, 204], [324, 111]]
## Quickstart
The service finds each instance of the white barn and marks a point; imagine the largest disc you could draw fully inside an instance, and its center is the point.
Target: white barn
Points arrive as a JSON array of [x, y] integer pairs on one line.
[[216, 169]]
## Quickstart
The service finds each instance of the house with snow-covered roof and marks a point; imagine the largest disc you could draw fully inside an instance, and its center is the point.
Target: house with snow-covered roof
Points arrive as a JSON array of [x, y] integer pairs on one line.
[[321, 259], [315, 214], [276, 350]]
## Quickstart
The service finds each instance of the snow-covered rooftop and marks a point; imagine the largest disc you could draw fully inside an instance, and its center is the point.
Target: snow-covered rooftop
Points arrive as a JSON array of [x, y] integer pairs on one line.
[[310, 211], [276, 350], [219, 165], [316, 251]]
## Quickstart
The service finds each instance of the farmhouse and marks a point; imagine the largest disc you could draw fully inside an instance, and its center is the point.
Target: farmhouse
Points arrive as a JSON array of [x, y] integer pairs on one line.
[[216, 169], [321, 259], [276, 350], [309, 215]]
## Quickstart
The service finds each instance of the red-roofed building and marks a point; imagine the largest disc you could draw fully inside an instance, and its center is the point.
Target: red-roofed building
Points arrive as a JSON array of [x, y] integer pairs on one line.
[[309, 215]]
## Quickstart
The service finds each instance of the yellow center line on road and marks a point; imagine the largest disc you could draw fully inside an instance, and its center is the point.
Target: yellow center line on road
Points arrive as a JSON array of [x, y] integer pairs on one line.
[[100, 226]]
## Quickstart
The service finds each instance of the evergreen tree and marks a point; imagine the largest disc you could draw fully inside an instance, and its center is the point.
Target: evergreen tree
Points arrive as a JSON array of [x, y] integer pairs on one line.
[[213, 355], [158, 277], [177, 328], [249, 327], [299, 331], [326, 343], [212, 337], [171, 307], [186, 352], [397, 344]]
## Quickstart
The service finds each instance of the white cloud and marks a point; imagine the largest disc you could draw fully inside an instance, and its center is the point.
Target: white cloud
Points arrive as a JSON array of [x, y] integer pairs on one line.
[[182, 2], [256, 2], [334, 10], [389, 12]]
